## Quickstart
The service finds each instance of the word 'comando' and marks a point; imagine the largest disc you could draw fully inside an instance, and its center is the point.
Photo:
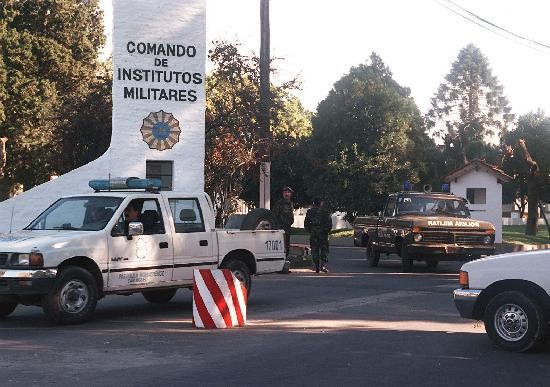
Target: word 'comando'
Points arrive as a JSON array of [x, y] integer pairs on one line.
[[161, 49]]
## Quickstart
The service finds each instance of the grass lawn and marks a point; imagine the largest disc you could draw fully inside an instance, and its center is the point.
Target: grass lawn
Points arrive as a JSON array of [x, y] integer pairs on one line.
[[517, 234]]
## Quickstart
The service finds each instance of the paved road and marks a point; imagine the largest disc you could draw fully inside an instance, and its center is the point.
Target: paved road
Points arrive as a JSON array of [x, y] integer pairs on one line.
[[353, 326]]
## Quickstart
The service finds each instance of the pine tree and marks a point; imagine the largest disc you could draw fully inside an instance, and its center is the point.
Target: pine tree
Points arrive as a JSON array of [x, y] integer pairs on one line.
[[469, 110]]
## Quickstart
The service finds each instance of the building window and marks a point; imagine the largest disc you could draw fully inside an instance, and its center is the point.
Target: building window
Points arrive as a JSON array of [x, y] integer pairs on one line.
[[476, 195], [161, 170]]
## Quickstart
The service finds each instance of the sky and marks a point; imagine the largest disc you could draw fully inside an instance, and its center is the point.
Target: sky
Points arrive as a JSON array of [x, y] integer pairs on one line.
[[319, 41]]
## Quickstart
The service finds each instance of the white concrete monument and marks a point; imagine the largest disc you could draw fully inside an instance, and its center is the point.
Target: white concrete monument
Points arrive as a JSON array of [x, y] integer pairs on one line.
[[159, 53]]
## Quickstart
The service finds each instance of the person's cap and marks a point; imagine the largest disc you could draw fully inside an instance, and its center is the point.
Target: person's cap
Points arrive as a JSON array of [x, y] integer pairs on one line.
[[287, 188]]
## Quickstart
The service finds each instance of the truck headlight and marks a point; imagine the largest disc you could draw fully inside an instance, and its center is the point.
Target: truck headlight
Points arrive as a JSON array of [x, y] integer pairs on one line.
[[417, 237], [487, 239], [20, 259], [32, 259]]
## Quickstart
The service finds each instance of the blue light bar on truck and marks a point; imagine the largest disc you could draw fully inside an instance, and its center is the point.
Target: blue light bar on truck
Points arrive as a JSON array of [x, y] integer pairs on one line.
[[122, 183]]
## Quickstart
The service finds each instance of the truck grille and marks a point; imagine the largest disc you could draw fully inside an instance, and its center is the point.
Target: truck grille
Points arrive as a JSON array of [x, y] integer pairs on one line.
[[437, 237], [3, 258], [3, 284], [458, 238], [468, 239]]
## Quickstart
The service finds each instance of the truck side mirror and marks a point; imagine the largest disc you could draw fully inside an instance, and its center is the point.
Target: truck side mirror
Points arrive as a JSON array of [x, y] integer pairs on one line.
[[134, 228]]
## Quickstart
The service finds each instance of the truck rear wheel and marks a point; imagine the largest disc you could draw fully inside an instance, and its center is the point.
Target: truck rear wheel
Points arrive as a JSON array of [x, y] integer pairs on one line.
[[406, 259], [6, 308], [161, 296], [73, 298], [373, 256], [240, 270], [514, 321]]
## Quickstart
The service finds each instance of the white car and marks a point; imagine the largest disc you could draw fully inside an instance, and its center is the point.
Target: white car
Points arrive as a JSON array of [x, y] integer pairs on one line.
[[82, 248], [510, 293]]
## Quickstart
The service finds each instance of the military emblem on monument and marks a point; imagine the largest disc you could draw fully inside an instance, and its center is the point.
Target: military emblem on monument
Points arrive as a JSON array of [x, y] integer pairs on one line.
[[160, 130]]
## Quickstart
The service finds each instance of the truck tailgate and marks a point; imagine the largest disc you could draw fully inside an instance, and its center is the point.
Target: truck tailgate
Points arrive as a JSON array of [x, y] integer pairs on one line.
[[267, 246]]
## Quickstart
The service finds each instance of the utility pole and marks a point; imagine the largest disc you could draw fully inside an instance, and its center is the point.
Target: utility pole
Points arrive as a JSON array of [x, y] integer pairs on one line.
[[265, 104]]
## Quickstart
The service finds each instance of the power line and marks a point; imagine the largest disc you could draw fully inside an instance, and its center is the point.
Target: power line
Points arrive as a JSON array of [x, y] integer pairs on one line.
[[500, 28], [496, 29]]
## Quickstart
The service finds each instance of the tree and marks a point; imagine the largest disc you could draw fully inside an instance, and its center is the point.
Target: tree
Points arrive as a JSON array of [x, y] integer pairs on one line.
[[368, 138], [87, 135], [289, 164], [530, 165], [48, 68], [469, 110], [234, 143]]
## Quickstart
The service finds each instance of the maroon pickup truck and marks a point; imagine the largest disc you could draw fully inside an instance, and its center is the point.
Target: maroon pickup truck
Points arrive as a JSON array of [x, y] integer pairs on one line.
[[424, 226]]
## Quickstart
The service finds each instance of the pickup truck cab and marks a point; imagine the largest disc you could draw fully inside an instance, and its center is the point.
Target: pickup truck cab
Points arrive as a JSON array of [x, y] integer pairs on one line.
[[425, 226], [84, 247], [510, 293]]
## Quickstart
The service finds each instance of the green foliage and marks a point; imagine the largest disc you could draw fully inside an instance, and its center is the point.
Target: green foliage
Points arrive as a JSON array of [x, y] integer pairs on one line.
[[289, 162], [368, 138], [233, 143], [48, 72], [88, 135], [534, 128], [469, 109]]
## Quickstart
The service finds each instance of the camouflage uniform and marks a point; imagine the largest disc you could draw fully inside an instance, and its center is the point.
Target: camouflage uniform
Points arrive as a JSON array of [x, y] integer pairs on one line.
[[318, 223], [284, 213]]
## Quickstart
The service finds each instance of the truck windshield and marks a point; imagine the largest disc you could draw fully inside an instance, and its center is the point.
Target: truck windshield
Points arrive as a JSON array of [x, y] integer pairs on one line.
[[430, 205], [90, 213]]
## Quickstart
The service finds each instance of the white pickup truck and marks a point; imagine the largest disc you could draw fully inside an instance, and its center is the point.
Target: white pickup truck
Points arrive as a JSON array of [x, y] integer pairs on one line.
[[84, 247], [510, 293]]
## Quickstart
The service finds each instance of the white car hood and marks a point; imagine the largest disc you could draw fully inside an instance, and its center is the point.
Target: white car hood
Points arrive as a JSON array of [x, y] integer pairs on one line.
[[531, 266], [26, 240]]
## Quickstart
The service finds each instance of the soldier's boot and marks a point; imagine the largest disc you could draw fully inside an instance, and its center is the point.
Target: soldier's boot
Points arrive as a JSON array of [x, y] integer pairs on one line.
[[324, 268], [316, 262]]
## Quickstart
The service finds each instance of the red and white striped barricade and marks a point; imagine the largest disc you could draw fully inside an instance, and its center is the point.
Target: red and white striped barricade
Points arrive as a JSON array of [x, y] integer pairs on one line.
[[219, 299]]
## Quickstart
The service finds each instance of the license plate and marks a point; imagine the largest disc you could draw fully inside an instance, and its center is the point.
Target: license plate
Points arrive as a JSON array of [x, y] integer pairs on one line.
[[452, 249]]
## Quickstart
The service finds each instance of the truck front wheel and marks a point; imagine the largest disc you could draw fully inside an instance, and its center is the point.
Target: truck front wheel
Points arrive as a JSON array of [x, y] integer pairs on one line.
[[514, 321], [6, 308], [373, 255], [240, 270], [159, 296], [73, 298]]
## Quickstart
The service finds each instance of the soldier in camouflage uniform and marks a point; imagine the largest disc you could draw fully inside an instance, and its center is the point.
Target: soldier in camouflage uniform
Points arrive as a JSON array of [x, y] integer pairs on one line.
[[318, 223], [284, 214]]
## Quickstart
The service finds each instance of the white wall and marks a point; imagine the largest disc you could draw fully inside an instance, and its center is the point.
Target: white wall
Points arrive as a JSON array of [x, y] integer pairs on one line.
[[492, 210], [167, 22], [338, 221]]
